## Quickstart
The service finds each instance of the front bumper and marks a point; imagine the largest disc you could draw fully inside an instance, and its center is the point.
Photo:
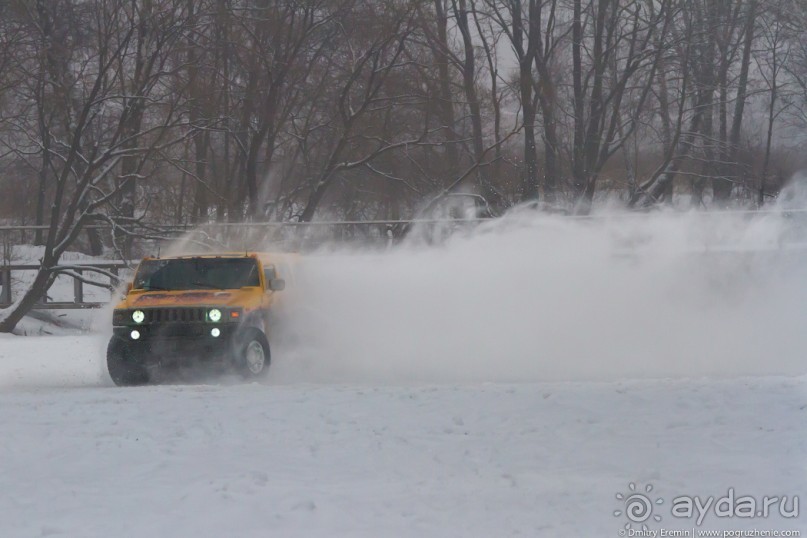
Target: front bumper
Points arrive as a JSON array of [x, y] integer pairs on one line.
[[177, 344]]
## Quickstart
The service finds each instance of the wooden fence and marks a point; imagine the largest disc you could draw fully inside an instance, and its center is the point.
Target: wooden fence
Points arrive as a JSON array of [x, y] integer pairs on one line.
[[76, 271]]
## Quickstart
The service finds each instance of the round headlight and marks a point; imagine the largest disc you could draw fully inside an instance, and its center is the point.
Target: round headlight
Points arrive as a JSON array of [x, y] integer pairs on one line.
[[215, 332], [138, 316], [214, 315], [135, 335]]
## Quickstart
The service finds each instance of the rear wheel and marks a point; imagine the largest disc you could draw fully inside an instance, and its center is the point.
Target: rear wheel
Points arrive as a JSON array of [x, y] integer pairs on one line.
[[123, 367], [252, 355]]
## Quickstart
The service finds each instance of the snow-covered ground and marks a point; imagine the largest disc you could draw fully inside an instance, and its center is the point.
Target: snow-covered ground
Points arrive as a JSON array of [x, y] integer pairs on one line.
[[512, 381], [81, 458]]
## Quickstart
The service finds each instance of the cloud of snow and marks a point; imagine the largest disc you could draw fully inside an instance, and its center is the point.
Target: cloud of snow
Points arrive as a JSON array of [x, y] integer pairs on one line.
[[528, 297], [533, 297]]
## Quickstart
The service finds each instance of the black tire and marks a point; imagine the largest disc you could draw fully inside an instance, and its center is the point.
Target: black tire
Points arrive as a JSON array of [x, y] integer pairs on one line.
[[123, 368], [251, 354]]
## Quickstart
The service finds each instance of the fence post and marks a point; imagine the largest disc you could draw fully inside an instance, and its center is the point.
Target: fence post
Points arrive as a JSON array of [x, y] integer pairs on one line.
[[78, 288], [5, 281]]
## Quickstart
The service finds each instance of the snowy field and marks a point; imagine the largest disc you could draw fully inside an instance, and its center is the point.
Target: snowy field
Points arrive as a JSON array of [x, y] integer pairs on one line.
[[513, 381], [81, 458]]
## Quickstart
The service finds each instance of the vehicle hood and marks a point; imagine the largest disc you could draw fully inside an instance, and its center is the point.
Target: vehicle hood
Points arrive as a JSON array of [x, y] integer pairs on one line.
[[150, 299]]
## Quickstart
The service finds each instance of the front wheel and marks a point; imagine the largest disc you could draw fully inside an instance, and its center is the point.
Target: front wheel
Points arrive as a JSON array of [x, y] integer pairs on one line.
[[123, 368], [252, 355]]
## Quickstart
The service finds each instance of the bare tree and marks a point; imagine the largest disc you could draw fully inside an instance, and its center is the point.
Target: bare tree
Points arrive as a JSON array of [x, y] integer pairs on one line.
[[99, 136], [288, 110], [774, 54], [622, 70], [522, 26], [360, 95]]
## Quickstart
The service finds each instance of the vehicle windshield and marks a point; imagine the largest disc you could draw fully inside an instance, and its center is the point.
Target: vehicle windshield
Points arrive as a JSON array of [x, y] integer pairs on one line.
[[197, 274]]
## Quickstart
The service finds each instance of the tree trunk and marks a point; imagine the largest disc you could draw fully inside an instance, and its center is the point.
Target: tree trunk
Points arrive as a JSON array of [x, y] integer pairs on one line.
[[723, 187], [530, 186], [578, 171], [666, 126], [492, 197], [446, 101]]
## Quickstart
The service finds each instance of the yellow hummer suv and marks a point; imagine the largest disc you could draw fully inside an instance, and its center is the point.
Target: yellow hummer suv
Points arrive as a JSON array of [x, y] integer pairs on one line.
[[184, 310]]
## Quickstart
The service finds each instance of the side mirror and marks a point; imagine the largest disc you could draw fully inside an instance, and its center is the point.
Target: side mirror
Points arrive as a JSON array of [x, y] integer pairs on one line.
[[277, 284]]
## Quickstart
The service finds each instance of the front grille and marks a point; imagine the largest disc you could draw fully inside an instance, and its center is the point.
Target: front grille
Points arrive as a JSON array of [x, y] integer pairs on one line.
[[175, 315]]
